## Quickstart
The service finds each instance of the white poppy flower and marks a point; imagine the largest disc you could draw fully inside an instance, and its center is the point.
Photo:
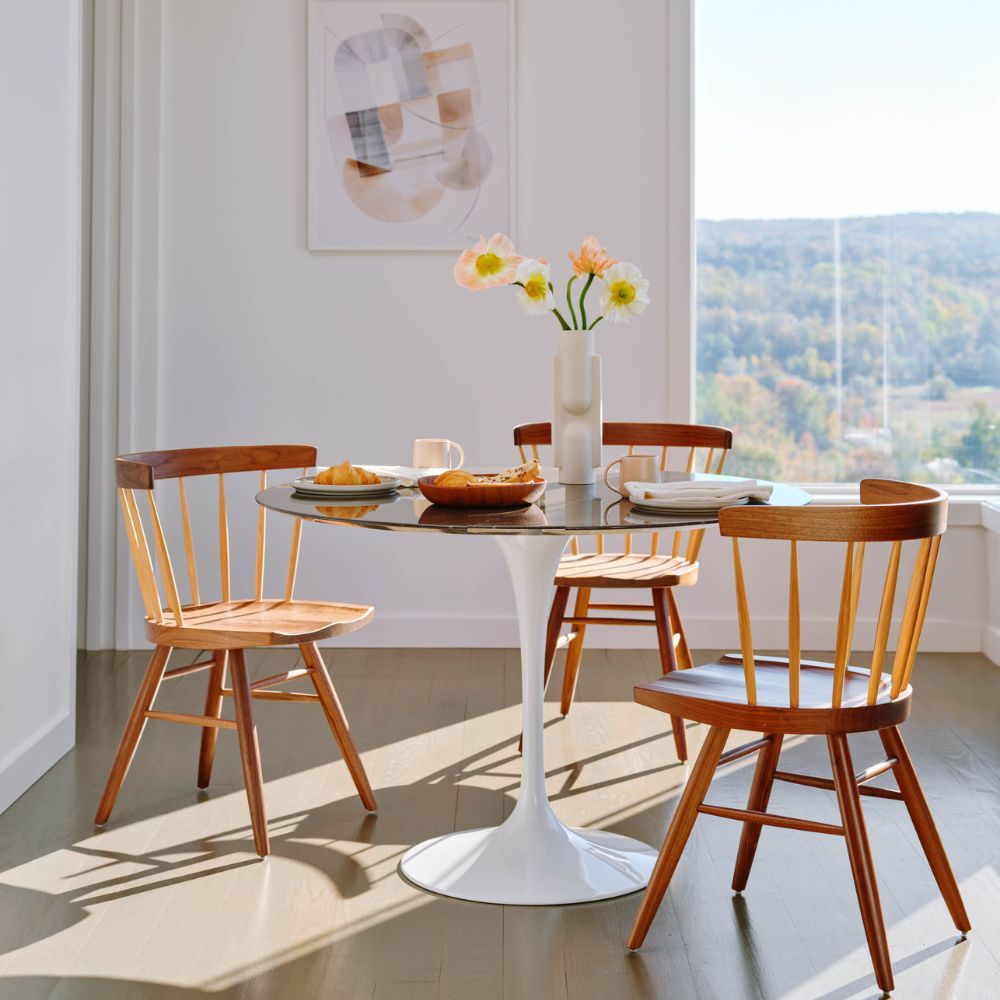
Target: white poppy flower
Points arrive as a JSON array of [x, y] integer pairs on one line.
[[625, 292], [534, 294]]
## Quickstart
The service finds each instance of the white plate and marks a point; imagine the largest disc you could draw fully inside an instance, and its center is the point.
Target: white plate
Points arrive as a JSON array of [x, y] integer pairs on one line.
[[306, 485], [686, 506]]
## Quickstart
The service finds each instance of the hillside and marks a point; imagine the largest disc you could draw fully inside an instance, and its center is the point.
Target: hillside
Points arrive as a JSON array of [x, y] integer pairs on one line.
[[925, 289]]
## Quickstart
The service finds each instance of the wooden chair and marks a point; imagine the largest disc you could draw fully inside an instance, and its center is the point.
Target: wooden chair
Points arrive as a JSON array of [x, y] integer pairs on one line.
[[227, 627], [630, 570], [779, 697]]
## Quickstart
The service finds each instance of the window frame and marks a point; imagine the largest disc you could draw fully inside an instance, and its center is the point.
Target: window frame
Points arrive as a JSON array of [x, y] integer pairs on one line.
[[682, 251]]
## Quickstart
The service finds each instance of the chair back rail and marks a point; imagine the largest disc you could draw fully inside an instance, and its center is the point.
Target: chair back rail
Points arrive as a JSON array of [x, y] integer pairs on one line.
[[139, 472], [890, 512], [689, 439]]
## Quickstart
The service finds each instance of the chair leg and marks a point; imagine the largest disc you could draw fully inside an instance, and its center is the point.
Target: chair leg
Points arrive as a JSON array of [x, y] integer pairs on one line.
[[923, 823], [680, 829], [552, 631], [684, 660], [338, 723], [133, 731], [213, 707], [574, 651], [253, 778], [859, 852], [668, 660], [760, 793]]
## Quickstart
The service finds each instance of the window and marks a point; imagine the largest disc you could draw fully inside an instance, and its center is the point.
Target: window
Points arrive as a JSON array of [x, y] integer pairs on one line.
[[848, 204]]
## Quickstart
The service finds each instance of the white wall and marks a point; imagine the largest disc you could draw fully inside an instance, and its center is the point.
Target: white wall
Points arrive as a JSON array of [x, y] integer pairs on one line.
[[245, 336], [39, 383], [261, 340], [991, 623]]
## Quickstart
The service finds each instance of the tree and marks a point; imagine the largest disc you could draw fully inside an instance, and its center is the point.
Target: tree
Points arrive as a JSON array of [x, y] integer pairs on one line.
[[979, 448]]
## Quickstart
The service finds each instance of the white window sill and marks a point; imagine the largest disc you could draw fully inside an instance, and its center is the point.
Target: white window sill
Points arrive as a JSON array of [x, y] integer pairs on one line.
[[969, 506]]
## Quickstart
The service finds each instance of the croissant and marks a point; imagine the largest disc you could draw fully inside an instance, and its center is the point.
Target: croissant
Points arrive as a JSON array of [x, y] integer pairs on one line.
[[346, 474], [455, 477]]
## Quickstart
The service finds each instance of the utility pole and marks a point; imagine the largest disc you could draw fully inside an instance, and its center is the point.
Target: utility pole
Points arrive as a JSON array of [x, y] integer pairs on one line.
[[838, 327], [886, 328]]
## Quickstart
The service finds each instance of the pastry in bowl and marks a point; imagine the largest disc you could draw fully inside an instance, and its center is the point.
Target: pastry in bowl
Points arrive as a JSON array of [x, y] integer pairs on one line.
[[515, 487], [527, 473], [455, 477], [346, 474]]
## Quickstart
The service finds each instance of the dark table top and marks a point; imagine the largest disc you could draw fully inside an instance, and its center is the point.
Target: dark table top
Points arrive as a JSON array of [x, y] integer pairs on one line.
[[562, 510]]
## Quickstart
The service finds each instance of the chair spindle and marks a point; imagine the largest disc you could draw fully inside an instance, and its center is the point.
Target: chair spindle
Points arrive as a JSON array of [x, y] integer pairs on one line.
[[794, 627], [884, 621], [163, 559], [746, 636], [843, 651], [192, 566], [910, 609], [925, 594], [261, 529], [293, 553], [140, 557], [223, 539], [859, 561]]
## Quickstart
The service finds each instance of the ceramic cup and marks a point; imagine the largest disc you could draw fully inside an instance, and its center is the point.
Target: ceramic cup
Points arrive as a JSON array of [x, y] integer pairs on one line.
[[632, 469], [435, 453]]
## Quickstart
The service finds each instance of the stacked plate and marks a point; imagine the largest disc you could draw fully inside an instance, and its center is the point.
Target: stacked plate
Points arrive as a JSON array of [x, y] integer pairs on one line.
[[673, 505], [306, 486]]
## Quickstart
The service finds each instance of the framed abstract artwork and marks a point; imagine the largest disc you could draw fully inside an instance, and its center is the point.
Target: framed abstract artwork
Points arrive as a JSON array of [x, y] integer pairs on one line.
[[410, 123]]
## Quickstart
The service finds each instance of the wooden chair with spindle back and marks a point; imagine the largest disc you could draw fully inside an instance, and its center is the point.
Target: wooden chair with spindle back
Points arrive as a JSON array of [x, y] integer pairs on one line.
[[779, 697], [227, 627], [703, 448]]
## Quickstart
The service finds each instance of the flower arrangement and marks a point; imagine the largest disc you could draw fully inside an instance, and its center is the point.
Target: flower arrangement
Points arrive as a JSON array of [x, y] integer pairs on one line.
[[493, 263]]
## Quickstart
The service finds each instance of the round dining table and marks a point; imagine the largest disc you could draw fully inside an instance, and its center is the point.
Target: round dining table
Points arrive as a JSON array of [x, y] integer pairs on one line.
[[532, 858]]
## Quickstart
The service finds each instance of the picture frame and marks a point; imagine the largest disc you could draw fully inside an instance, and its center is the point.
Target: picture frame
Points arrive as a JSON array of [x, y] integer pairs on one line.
[[410, 127]]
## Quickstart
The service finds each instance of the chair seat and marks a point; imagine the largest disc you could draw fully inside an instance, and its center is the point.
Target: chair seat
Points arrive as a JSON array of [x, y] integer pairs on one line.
[[615, 569], [248, 624], [715, 694]]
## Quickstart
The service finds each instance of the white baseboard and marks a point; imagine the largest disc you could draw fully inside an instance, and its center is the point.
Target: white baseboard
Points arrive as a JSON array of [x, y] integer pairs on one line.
[[26, 763], [389, 631], [991, 643]]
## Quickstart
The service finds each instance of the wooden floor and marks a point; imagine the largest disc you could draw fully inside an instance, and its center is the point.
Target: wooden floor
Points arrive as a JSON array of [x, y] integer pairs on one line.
[[170, 901]]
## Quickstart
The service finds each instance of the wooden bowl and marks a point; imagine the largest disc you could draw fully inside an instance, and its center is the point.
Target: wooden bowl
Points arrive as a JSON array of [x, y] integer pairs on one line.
[[482, 494]]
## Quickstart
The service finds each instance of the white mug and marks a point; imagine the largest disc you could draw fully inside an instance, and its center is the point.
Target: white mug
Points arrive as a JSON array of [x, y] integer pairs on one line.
[[435, 453], [633, 469]]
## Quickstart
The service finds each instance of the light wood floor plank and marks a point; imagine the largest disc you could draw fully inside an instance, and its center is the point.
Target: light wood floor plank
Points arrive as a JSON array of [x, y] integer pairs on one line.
[[170, 902]]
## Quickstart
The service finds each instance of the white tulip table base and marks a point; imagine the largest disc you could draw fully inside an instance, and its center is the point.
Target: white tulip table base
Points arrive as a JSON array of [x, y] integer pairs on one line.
[[532, 859]]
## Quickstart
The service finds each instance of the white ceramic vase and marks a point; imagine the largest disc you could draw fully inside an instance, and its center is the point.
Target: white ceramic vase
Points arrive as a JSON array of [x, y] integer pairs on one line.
[[577, 409]]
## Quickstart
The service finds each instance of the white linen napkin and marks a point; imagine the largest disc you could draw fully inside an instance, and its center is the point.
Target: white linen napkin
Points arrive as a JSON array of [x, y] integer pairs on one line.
[[694, 490]]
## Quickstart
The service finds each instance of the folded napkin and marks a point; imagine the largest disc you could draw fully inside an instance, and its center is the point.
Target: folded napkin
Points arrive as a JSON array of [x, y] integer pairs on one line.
[[694, 490]]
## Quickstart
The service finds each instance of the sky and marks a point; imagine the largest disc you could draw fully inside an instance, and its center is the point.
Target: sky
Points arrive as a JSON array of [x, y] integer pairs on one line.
[[822, 108]]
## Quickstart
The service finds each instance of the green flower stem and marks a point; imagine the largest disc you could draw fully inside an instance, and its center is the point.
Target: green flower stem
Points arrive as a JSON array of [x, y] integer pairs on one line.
[[559, 317], [569, 301], [583, 295], [596, 321]]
